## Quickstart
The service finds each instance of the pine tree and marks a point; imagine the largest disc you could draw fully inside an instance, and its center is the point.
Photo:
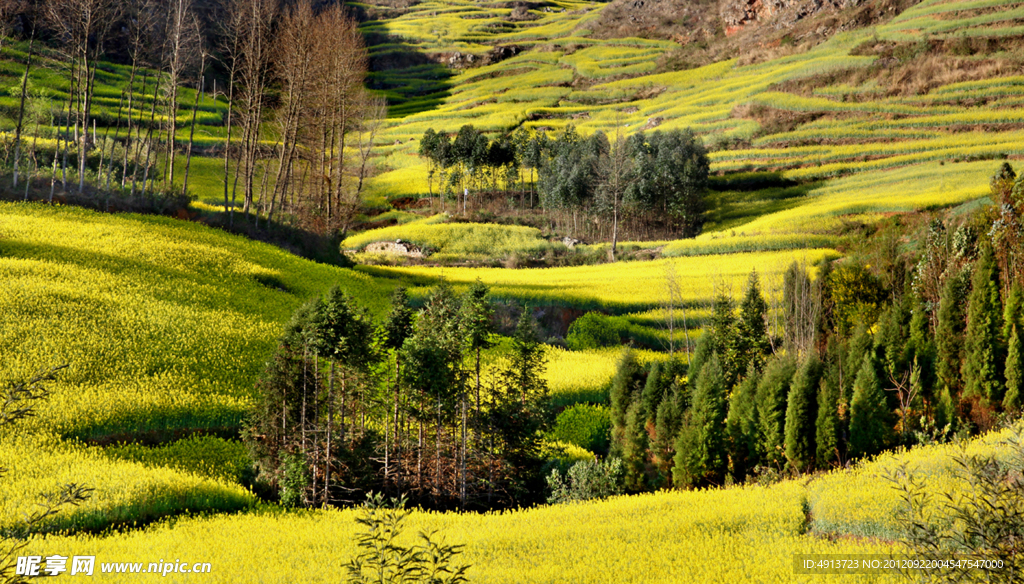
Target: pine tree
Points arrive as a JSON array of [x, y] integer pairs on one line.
[[701, 457], [772, 393], [983, 362], [741, 425], [801, 415], [949, 333], [827, 427], [870, 417], [1012, 400]]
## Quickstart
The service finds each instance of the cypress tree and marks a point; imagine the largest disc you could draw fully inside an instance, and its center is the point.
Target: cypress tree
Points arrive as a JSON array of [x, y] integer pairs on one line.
[[772, 392], [827, 426], [701, 458], [922, 347], [724, 338], [983, 363], [870, 417], [701, 355], [627, 386], [741, 425], [668, 421], [653, 391], [949, 333], [801, 415], [634, 447], [1012, 311], [945, 411], [1014, 372], [752, 327]]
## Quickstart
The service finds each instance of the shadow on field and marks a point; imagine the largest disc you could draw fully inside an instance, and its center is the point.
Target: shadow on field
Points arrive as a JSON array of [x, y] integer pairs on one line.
[[411, 80]]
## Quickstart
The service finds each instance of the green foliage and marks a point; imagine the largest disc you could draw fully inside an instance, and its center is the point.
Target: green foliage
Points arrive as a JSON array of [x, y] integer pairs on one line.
[[870, 417], [634, 446], [294, 479], [949, 332], [1013, 399], [742, 425], [983, 360], [587, 479], [667, 423], [979, 518], [670, 176], [856, 295], [753, 344], [627, 386], [828, 431], [593, 330], [801, 415], [383, 560], [585, 425], [772, 393], [701, 456], [397, 325]]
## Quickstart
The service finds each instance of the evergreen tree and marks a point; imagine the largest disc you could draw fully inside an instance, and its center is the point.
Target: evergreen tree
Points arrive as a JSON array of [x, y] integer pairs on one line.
[[860, 346], [949, 333], [1012, 312], [922, 348], [801, 415], [741, 425], [724, 340], [701, 458], [667, 424], [983, 362], [634, 448], [752, 340], [870, 417], [1012, 400], [519, 414], [627, 387], [701, 355], [654, 391], [772, 392], [827, 427]]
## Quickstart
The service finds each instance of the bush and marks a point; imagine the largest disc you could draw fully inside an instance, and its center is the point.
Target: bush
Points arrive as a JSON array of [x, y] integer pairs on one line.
[[587, 426], [592, 331], [980, 517], [587, 479]]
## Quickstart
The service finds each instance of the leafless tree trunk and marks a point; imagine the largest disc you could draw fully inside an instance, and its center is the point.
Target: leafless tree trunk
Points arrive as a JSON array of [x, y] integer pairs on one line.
[[21, 109], [192, 130]]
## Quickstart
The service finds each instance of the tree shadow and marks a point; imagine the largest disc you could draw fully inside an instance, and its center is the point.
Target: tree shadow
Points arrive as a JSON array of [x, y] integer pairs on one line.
[[411, 80]]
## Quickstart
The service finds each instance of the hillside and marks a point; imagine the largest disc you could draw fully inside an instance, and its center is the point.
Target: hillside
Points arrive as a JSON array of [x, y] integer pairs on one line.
[[760, 383]]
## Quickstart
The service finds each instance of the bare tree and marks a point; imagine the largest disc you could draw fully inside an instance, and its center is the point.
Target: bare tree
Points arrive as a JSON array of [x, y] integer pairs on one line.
[[615, 172], [83, 26], [183, 48]]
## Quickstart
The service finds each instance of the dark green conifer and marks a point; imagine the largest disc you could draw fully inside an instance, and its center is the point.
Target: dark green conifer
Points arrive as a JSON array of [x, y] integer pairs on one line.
[[801, 415]]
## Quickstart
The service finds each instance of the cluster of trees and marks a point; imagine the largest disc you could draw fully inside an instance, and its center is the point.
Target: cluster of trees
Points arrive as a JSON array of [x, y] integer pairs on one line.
[[652, 179], [298, 66], [403, 405], [907, 352]]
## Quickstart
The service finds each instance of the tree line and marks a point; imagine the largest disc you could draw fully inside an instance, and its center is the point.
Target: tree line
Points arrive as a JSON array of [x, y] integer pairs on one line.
[[403, 405], [914, 350], [652, 180], [299, 125]]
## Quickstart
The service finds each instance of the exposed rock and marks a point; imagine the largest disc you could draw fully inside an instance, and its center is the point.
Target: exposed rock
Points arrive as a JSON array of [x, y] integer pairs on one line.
[[570, 242], [784, 13], [396, 248], [654, 122]]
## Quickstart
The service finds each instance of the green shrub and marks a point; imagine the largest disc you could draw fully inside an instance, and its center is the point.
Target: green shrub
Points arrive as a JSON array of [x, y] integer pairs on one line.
[[587, 479], [587, 426], [593, 330]]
